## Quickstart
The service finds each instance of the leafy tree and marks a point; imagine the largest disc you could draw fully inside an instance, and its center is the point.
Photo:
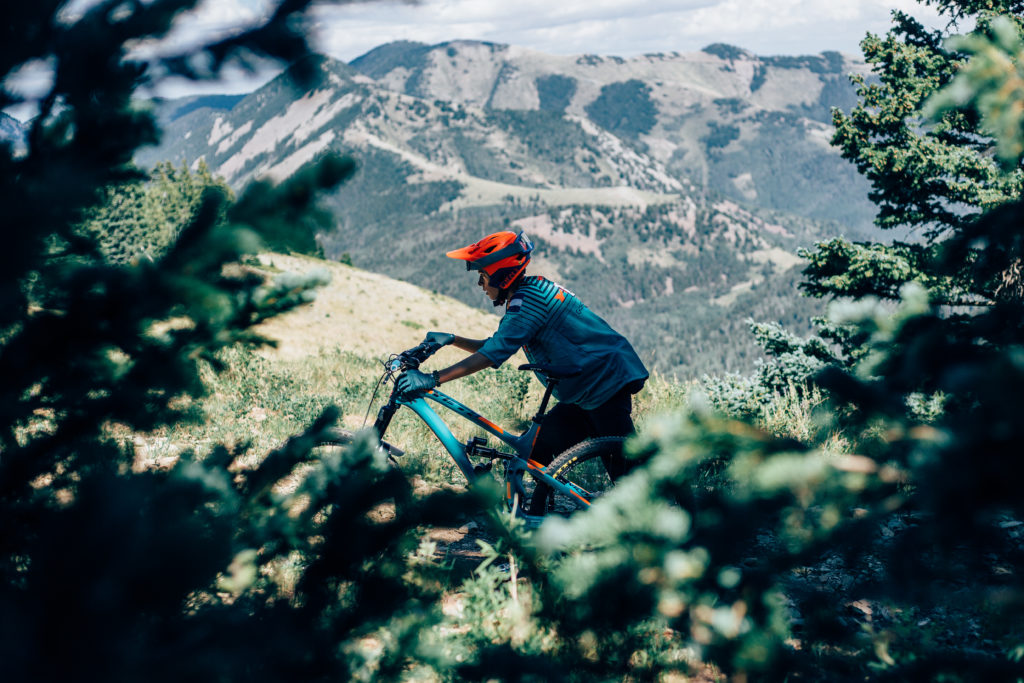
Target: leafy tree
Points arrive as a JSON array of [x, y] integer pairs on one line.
[[142, 219]]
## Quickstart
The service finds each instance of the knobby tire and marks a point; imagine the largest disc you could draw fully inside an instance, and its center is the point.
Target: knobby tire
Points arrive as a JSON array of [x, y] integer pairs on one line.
[[336, 437], [582, 465]]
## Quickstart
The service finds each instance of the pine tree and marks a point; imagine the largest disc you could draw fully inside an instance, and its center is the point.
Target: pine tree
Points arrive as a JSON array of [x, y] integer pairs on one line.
[[141, 219], [934, 178], [109, 570]]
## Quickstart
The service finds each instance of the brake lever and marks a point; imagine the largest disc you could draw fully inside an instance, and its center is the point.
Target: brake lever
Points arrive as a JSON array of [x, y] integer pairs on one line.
[[412, 358]]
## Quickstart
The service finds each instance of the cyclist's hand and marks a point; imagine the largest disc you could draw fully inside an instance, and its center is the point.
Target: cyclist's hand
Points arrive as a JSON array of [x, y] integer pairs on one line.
[[439, 338], [413, 382]]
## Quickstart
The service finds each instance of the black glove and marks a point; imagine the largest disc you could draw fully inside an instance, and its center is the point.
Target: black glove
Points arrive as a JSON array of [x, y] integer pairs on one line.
[[415, 382], [439, 338]]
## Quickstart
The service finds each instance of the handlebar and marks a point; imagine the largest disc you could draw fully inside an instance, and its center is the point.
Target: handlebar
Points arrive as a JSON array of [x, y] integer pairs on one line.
[[411, 358]]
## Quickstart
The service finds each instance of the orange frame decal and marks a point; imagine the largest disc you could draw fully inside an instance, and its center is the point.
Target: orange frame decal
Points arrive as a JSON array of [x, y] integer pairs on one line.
[[492, 425]]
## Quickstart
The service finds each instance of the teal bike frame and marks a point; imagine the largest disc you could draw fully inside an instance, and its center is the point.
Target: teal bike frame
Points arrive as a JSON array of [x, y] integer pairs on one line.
[[516, 463]]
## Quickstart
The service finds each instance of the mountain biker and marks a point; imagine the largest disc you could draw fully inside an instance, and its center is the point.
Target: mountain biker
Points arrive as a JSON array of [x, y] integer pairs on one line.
[[554, 328]]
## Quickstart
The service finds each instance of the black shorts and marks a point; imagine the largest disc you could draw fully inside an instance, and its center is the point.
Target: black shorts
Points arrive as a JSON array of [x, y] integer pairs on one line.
[[567, 424]]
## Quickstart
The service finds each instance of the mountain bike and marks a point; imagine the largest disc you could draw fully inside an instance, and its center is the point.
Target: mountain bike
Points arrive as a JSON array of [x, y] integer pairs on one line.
[[573, 480]]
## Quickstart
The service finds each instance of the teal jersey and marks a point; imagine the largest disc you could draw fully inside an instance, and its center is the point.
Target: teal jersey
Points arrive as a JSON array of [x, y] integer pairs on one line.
[[554, 327]]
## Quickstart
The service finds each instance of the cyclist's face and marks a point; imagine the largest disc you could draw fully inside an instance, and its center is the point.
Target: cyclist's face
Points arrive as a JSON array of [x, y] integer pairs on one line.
[[485, 282]]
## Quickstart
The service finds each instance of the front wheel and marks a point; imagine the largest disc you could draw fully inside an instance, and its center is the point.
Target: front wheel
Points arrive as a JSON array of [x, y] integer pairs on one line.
[[343, 437], [585, 466], [335, 437], [335, 440]]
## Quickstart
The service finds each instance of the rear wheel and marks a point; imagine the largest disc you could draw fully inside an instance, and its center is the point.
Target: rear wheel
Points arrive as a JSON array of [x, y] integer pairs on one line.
[[584, 466]]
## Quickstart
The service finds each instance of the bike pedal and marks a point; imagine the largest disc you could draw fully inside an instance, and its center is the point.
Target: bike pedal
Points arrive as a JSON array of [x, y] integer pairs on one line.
[[392, 450]]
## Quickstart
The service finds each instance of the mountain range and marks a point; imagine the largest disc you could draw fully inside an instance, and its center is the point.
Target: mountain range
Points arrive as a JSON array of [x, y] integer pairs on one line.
[[670, 190]]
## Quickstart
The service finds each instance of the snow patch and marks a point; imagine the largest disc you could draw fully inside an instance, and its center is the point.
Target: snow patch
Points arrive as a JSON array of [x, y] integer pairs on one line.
[[322, 117], [744, 182], [396, 78], [686, 219], [780, 258], [735, 212], [276, 130], [660, 257], [635, 169]]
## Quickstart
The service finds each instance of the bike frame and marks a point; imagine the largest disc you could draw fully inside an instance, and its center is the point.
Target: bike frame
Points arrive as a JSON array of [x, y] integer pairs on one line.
[[515, 463]]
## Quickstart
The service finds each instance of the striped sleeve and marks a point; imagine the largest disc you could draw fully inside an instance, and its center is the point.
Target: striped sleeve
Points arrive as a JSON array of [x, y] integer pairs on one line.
[[528, 310]]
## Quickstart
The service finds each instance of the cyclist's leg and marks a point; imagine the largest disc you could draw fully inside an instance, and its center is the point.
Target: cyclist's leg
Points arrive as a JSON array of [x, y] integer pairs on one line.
[[564, 426], [613, 418]]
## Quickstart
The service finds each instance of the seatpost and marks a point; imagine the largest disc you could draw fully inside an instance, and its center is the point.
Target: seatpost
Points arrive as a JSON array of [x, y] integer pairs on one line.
[[544, 401]]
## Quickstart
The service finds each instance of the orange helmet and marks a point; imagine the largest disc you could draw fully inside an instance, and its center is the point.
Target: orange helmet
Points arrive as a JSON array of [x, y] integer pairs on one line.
[[503, 256]]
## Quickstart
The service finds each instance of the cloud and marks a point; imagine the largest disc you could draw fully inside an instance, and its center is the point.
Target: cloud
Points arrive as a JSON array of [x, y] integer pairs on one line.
[[213, 20]]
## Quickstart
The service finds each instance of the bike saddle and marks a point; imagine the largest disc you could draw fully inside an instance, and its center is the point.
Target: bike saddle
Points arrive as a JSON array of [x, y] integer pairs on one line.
[[554, 371]]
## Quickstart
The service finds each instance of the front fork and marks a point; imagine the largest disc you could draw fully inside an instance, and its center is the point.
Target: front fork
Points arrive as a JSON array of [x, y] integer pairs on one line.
[[384, 415]]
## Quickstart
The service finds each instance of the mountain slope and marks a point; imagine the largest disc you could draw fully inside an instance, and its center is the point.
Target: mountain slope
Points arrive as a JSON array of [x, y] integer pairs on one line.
[[363, 313], [654, 249], [755, 129]]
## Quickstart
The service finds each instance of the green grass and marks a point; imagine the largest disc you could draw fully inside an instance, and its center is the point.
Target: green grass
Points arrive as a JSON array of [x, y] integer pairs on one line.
[[262, 401]]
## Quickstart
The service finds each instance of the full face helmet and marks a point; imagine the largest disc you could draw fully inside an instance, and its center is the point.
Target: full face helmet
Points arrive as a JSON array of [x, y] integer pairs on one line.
[[503, 256]]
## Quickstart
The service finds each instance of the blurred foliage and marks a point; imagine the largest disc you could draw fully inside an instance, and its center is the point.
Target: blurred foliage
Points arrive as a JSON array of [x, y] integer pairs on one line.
[[791, 366], [209, 568]]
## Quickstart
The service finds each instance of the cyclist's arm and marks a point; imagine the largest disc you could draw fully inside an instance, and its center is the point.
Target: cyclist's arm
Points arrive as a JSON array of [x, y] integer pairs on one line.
[[466, 366], [471, 345]]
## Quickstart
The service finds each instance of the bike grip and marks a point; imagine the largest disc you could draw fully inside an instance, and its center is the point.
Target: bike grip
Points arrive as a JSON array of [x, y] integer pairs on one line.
[[439, 338]]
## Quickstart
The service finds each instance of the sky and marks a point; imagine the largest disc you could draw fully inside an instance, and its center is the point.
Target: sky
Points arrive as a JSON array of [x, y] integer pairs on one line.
[[624, 28]]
